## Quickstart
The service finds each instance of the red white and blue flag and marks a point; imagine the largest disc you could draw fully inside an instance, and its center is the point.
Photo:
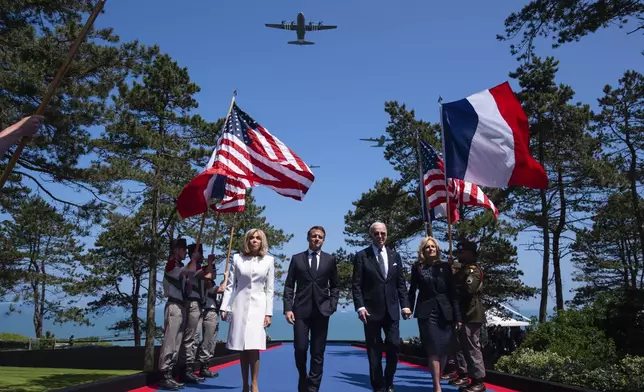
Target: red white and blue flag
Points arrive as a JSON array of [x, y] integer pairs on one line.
[[246, 155], [486, 141], [246, 150], [460, 192]]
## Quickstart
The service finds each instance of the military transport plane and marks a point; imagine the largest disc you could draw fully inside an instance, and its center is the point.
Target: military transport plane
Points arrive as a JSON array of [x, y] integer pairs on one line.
[[381, 141], [301, 28]]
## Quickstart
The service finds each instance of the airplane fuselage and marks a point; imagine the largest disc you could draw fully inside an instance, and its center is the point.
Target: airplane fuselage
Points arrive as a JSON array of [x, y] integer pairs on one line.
[[300, 26]]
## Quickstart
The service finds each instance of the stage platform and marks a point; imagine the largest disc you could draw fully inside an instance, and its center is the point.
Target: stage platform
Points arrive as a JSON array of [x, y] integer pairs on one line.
[[345, 370]]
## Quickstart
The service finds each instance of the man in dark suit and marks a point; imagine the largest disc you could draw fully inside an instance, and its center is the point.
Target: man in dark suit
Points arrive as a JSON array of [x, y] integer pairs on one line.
[[379, 289], [308, 308]]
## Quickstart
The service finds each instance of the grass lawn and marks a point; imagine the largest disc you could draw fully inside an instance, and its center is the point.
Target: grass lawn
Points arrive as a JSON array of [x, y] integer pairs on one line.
[[24, 379]]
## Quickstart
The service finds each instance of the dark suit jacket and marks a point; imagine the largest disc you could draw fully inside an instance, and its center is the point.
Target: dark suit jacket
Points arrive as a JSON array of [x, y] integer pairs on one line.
[[318, 288], [378, 293], [436, 291]]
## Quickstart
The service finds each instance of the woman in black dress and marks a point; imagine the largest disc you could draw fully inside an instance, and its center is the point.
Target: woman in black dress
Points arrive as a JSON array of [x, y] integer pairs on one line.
[[436, 307]]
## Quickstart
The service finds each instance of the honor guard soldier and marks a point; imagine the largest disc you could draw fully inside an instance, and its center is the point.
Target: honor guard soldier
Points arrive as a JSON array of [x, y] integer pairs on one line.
[[174, 315], [194, 295], [210, 325], [469, 284]]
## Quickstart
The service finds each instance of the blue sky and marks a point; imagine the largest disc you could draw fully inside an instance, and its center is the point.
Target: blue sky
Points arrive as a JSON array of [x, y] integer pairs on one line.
[[321, 99]]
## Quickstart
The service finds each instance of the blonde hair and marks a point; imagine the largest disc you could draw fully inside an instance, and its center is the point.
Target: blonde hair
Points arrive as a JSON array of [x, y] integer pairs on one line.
[[263, 249], [423, 243]]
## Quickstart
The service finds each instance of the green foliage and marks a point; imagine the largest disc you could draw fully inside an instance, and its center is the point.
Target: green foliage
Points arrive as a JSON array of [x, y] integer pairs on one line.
[[120, 254], [620, 127], [626, 375], [345, 271], [35, 38], [574, 334], [620, 314], [559, 130], [13, 337], [42, 244], [606, 254], [567, 21]]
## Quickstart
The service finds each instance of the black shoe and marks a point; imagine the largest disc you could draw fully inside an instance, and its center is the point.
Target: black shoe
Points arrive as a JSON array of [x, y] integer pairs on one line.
[[477, 386], [390, 389], [189, 377], [205, 372], [167, 383], [460, 381]]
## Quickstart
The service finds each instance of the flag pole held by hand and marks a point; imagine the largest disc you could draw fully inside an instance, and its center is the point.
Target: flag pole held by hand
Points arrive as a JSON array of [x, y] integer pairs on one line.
[[52, 87]]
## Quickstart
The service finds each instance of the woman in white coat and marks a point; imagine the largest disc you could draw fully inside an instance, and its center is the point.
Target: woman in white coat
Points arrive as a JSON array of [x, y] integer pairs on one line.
[[247, 303]]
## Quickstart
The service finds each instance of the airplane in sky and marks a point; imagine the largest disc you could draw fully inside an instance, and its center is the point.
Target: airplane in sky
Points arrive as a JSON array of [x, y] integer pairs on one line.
[[301, 28], [381, 141], [313, 166]]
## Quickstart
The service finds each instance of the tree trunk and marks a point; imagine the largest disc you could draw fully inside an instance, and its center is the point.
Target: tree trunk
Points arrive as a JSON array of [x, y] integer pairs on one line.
[[37, 318], [149, 364], [136, 322], [556, 241], [543, 306]]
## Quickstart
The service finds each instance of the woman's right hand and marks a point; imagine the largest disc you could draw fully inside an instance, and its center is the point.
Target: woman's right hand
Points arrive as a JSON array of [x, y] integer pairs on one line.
[[223, 315]]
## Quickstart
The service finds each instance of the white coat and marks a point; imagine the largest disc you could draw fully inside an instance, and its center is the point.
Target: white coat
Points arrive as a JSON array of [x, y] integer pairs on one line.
[[248, 297]]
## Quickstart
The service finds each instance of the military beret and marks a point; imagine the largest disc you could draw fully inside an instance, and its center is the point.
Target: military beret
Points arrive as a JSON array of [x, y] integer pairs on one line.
[[179, 243], [192, 248], [467, 245]]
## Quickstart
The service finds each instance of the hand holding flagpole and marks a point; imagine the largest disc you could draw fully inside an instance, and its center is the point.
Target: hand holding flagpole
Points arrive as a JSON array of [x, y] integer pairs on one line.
[[52, 88]]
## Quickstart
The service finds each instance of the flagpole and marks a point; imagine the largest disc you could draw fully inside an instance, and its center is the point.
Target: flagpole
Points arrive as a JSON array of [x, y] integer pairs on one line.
[[447, 195], [230, 246], [214, 237], [421, 184], [52, 88]]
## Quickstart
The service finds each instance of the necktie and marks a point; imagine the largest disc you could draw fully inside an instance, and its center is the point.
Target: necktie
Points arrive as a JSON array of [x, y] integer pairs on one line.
[[314, 261], [381, 261]]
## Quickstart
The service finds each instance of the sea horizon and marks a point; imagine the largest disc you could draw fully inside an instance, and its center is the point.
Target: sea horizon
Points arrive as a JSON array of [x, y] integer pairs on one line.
[[343, 325]]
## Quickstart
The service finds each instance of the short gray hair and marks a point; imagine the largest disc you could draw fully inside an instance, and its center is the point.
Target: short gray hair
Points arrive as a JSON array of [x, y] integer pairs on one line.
[[374, 224]]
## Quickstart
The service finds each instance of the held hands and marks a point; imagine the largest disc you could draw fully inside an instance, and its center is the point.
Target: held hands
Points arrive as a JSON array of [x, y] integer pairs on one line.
[[267, 321], [290, 317], [406, 313]]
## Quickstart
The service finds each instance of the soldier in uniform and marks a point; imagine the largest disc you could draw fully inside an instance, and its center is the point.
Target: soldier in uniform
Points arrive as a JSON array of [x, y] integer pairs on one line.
[[209, 325], [174, 315], [194, 294], [469, 283]]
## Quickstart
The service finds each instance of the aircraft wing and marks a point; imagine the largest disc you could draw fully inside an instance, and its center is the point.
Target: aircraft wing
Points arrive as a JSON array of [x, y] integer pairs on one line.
[[277, 25], [317, 27], [370, 140]]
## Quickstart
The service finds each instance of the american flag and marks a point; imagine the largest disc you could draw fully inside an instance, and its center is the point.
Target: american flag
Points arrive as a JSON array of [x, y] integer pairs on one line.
[[435, 193], [247, 151], [460, 192]]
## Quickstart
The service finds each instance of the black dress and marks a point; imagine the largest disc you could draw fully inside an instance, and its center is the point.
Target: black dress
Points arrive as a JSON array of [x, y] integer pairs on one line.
[[436, 307]]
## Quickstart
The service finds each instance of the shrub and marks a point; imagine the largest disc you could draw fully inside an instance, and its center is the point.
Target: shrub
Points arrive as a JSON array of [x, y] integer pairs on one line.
[[625, 376], [574, 334]]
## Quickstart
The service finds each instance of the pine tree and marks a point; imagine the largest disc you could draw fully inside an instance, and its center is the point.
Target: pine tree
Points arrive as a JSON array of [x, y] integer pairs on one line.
[[44, 249]]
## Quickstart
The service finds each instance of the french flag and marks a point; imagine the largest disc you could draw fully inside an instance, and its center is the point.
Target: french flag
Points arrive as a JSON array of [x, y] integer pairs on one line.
[[486, 141]]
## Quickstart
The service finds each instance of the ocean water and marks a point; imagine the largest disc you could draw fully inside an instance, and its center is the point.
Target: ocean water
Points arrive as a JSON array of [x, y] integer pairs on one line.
[[343, 325]]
